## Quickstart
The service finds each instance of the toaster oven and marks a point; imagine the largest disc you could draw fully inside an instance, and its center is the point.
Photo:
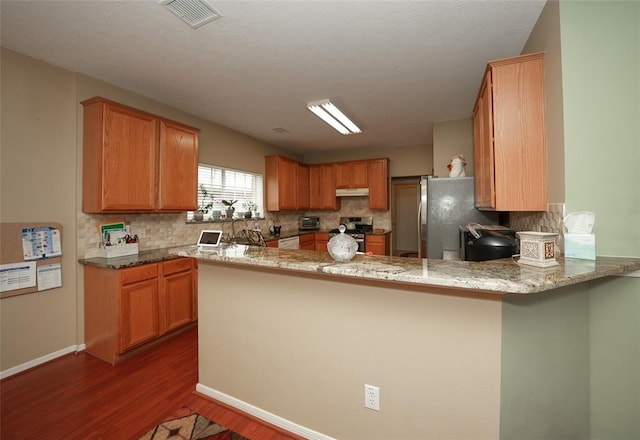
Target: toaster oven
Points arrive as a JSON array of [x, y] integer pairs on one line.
[[308, 223]]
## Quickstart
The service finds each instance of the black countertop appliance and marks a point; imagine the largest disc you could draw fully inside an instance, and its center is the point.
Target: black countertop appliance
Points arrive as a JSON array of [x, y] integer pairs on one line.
[[486, 242]]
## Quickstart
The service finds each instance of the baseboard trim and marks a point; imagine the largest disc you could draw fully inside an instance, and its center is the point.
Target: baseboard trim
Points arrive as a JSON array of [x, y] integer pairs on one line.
[[41, 360], [268, 417]]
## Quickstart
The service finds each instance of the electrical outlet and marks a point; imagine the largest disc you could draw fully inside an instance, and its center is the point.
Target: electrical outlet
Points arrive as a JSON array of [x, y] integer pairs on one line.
[[372, 397]]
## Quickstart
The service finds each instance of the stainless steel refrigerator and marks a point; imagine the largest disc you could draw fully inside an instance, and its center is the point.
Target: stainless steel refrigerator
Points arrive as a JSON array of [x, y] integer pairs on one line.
[[445, 204]]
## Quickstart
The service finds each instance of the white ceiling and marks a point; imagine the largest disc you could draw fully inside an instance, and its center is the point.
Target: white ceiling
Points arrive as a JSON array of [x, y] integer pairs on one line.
[[394, 67]]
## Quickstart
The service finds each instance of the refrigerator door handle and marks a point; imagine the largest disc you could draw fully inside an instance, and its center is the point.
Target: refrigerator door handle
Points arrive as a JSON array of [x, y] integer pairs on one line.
[[420, 227]]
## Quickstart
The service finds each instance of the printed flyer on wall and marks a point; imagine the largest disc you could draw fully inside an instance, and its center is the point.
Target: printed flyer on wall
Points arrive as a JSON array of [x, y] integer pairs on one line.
[[41, 242]]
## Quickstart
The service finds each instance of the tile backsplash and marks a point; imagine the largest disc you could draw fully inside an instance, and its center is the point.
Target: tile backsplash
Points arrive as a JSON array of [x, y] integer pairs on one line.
[[550, 221], [171, 229]]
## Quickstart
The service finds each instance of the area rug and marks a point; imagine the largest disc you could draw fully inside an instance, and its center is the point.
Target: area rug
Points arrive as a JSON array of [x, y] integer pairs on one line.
[[186, 424]]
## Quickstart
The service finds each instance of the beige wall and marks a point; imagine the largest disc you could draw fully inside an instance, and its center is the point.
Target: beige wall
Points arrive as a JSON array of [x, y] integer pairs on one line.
[[41, 175], [451, 138], [303, 348], [38, 160]]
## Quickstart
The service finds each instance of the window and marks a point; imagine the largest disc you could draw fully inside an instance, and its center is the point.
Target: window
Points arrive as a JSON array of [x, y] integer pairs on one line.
[[226, 184]]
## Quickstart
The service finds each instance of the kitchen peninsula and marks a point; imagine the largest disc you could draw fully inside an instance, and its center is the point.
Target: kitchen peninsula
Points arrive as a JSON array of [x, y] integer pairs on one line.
[[458, 349]]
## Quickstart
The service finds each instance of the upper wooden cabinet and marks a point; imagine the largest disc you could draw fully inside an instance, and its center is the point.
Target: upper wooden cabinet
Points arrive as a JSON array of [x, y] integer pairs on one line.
[[292, 185], [178, 167], [286, 184], [303, 194], [353, 174], [379, 184], [134, 161], [510, 150], [322, 187]]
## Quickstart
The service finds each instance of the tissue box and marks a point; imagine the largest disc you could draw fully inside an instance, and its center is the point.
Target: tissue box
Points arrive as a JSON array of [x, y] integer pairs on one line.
[[581, 246]]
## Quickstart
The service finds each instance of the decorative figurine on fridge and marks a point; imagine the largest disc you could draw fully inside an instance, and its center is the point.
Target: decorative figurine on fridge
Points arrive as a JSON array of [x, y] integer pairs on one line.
[[456, 166]]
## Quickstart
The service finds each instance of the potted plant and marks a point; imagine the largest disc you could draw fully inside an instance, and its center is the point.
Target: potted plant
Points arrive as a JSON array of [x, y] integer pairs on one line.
[[250, 208], [207, 204], [229, 206]]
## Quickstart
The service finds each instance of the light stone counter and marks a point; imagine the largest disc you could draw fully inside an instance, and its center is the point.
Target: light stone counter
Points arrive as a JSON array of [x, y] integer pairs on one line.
[[498, 276]]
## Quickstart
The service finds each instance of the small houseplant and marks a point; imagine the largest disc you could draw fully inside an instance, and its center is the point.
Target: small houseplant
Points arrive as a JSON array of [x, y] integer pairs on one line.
[[250, 207], [205, 206], [229, 206]]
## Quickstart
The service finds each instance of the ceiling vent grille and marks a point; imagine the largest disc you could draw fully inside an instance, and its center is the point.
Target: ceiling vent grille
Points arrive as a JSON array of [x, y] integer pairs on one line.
[[195, 13]]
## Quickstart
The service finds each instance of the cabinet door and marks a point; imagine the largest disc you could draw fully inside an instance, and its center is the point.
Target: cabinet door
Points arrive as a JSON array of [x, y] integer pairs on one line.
[[307, 242], [519, 134], [510, 136], [119, 158], [178, 300], [321, 238], [178, 171], [483, 151], [139, 313], [343, 178], [376, 244], [302, 189], [177, 294], [281, 183], [379, 184], [353, 174], [322, 187], [329, 199], [360, 174]]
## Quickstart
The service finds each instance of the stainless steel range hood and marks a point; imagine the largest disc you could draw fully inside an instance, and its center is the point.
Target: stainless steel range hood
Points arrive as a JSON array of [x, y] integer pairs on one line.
[[352, 192]]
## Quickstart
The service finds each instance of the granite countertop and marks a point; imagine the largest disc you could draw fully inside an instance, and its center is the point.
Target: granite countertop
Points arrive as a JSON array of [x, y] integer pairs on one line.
[[498, 276], [144, 257]]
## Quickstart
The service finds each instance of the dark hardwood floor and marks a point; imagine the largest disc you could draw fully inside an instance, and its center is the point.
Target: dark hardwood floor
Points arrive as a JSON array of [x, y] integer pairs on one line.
[[82, 397]]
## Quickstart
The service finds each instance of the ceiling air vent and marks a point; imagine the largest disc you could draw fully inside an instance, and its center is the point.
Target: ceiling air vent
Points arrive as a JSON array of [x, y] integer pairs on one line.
[[195, 13]]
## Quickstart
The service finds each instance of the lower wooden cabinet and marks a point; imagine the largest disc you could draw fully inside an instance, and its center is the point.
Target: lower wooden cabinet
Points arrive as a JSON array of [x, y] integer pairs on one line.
[[377, 244], [179, 300], [127, 308], [307, 242], [139, 314], [321, 238]]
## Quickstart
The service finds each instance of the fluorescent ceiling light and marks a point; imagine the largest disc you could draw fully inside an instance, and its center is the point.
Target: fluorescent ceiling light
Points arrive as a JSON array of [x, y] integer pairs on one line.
[[330, 114]]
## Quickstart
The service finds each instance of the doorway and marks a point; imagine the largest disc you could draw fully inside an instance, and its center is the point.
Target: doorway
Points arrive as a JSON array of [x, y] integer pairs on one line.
[[405, 196]]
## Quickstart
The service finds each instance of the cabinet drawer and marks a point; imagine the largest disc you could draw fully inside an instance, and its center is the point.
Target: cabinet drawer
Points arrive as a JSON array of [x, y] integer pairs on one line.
[[177, 265], [139, 273], [378, 239]]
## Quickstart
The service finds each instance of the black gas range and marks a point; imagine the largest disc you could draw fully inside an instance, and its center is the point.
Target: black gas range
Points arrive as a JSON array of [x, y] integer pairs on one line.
[[357, 227]]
